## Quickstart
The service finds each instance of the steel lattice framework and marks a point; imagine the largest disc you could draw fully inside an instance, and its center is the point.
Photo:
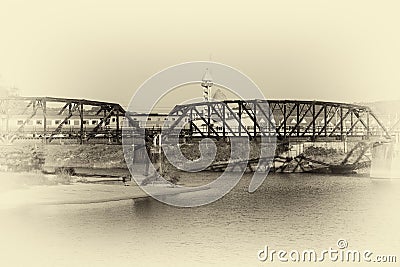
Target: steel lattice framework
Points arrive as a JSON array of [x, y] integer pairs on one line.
[[29, 108], [286, 119]]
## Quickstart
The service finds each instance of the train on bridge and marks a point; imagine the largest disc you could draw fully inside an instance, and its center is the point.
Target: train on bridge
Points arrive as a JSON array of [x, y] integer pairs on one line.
[[296, 125], [50, 118]]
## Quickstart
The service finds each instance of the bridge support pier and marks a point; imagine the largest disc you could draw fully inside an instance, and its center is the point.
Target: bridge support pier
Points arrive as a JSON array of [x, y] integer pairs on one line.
[[385, 161]]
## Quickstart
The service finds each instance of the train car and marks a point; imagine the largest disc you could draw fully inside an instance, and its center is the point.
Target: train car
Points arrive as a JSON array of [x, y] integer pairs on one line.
[[58, 126]]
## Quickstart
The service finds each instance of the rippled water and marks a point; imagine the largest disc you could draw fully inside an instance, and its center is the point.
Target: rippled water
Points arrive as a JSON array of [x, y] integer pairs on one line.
[[296, 211]]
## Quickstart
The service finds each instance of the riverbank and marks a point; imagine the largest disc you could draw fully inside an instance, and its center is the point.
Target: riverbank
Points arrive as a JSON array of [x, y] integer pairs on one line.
[[26, 189], [100, 159]]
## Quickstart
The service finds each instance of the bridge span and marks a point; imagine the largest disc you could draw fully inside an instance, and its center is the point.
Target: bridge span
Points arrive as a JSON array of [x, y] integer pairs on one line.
[[302, 128], [285, 119], [49, 118]]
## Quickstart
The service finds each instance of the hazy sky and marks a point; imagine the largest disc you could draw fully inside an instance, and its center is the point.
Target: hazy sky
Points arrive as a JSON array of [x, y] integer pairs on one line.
[[325, 50]]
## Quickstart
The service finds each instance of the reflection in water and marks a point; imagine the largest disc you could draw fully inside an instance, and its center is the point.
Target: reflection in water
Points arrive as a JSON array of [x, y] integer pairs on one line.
[[296, 211]]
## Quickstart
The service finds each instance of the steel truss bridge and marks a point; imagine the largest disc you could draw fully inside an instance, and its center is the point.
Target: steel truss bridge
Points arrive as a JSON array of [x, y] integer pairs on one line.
[[28, 109], [285, 119]]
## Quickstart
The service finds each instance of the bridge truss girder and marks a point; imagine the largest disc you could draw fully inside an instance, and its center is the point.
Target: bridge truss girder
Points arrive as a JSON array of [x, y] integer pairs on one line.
[[68, 108], [283, 118]]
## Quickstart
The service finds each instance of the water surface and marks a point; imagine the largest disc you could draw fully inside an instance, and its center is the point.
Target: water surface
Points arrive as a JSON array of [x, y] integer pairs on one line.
[[291, 211]]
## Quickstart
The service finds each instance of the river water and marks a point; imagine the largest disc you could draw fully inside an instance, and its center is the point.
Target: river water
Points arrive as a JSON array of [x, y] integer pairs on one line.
[[289, 211]]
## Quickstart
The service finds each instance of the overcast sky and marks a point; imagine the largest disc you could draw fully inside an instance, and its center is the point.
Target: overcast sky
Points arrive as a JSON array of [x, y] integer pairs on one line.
[[325, 50]]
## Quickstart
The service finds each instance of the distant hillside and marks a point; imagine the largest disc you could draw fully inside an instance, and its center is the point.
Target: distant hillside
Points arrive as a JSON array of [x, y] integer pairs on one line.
[[391, 107], [388, 112]]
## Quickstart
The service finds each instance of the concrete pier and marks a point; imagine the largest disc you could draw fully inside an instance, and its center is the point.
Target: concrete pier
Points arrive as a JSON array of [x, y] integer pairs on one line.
[[385, 161]]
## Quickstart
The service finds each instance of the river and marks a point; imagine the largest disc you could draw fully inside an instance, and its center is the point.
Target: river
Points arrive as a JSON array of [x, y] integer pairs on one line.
[[289, 211]]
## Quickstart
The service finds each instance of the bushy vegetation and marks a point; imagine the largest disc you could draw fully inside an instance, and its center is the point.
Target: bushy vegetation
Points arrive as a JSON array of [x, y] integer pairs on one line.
[[327, 155], [20, 158], [104, 156], [64, 176], [321, 151]]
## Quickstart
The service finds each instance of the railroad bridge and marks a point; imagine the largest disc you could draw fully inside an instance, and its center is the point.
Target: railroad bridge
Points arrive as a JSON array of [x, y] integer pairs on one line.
[[285, 119], [294, 123], [49, 118], [301, 128]]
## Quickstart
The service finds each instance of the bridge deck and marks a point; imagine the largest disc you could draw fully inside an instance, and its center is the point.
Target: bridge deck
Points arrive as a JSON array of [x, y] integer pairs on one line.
[[28, 117]]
